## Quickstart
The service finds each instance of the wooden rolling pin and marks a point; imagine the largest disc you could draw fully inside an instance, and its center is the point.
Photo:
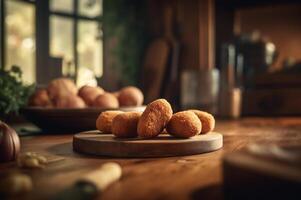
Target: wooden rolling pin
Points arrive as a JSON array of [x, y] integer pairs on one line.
[[92, 183]]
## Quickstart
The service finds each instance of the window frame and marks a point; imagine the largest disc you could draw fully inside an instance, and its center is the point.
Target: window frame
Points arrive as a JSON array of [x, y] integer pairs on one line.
[[3, 30], [2, 34], [76, 17], [42, 27]]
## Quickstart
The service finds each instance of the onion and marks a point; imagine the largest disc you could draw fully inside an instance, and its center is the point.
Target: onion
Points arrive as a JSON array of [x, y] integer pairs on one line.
[[9, 143]]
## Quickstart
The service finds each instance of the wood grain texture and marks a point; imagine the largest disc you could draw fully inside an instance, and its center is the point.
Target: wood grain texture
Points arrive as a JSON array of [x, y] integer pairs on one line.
[[183, 177], [196, 27], [95, 143], [272, 102], [154, 65], [206, 34], [263, 172]]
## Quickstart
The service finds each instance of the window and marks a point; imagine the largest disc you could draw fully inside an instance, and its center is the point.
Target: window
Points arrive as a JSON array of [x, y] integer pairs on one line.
[[68, 35], [76, 38], [18, 37]]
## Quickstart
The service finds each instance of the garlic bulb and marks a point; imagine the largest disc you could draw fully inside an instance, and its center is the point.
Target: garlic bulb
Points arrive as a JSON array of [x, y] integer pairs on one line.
[[9, 143], [31, 160]]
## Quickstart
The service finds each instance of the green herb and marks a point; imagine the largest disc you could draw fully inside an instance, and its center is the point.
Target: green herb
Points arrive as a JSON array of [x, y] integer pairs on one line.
[[13, 93]]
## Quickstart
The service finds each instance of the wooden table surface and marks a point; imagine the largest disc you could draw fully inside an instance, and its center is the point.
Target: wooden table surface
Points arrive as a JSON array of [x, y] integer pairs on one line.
[[187, 177]]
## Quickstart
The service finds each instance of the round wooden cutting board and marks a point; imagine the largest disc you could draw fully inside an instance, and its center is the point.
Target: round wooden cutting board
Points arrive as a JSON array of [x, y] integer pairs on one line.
[[96, 143]]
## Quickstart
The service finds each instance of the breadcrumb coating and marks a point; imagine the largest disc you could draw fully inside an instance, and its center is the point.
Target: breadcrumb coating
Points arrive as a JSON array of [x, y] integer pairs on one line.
[[125, 124], [184, 124], [208, 121], [105, 119], [154, 118]]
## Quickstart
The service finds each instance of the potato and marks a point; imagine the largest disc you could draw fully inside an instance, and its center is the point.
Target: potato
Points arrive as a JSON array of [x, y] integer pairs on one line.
[[40, 98], [154, 118], [89, 93], [105, 119], [124, 125], [61, 87], [184, 124], [71, 101], [130, 96], [116, 94], [106, 100], [208, 121]]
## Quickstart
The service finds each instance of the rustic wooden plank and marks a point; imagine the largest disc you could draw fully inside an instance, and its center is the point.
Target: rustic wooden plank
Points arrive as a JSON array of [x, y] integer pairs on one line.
[[180, 177], [206, 34]]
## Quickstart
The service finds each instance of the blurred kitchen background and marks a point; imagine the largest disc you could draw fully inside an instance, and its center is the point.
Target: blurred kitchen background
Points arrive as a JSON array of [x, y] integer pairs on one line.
[[230, 57]]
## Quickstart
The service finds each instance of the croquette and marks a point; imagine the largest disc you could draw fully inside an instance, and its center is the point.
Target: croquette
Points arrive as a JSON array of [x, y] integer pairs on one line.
[[106, 100], [124, 125], [105, 119], [184, 124], [208, 121], [130, 96], [154, 118]]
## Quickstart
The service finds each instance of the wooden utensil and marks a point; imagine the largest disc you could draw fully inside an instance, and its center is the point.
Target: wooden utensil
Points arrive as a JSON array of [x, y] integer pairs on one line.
[[170, 88], [93, 142], [154, 67], [91, 184]]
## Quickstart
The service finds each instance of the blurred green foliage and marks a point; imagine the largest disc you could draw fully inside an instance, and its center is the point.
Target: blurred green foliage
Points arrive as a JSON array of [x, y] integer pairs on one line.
[[13, 93], [126, 21]]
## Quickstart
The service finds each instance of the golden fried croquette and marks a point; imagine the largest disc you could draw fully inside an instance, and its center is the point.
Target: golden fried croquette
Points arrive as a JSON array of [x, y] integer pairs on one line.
[[40, 98], [61, 87], [125, 124], [130, 96], [106, 100], [105, 119], [184, 124], [71, 101], [89, 93], [208, 121], [154, 118]]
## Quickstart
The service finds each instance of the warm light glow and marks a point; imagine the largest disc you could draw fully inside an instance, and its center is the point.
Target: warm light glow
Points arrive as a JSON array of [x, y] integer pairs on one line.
[[20, 38], [28, 43], [86, 77]]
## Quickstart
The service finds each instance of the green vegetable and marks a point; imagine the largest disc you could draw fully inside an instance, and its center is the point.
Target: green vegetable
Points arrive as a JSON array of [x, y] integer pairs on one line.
[[13, 93]]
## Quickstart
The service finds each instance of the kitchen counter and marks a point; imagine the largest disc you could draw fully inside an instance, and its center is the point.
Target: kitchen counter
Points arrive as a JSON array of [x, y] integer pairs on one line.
[[186, 177]]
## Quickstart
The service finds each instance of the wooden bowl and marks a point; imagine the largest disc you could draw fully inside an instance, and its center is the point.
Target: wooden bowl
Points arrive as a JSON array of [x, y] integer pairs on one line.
[[65, 120]]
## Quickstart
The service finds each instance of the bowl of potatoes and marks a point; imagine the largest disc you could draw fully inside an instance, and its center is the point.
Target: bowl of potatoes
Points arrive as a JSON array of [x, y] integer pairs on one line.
[[62, 107]]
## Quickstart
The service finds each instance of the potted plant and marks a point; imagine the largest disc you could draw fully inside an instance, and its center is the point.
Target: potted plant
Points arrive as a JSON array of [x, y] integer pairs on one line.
[[14, 94]]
